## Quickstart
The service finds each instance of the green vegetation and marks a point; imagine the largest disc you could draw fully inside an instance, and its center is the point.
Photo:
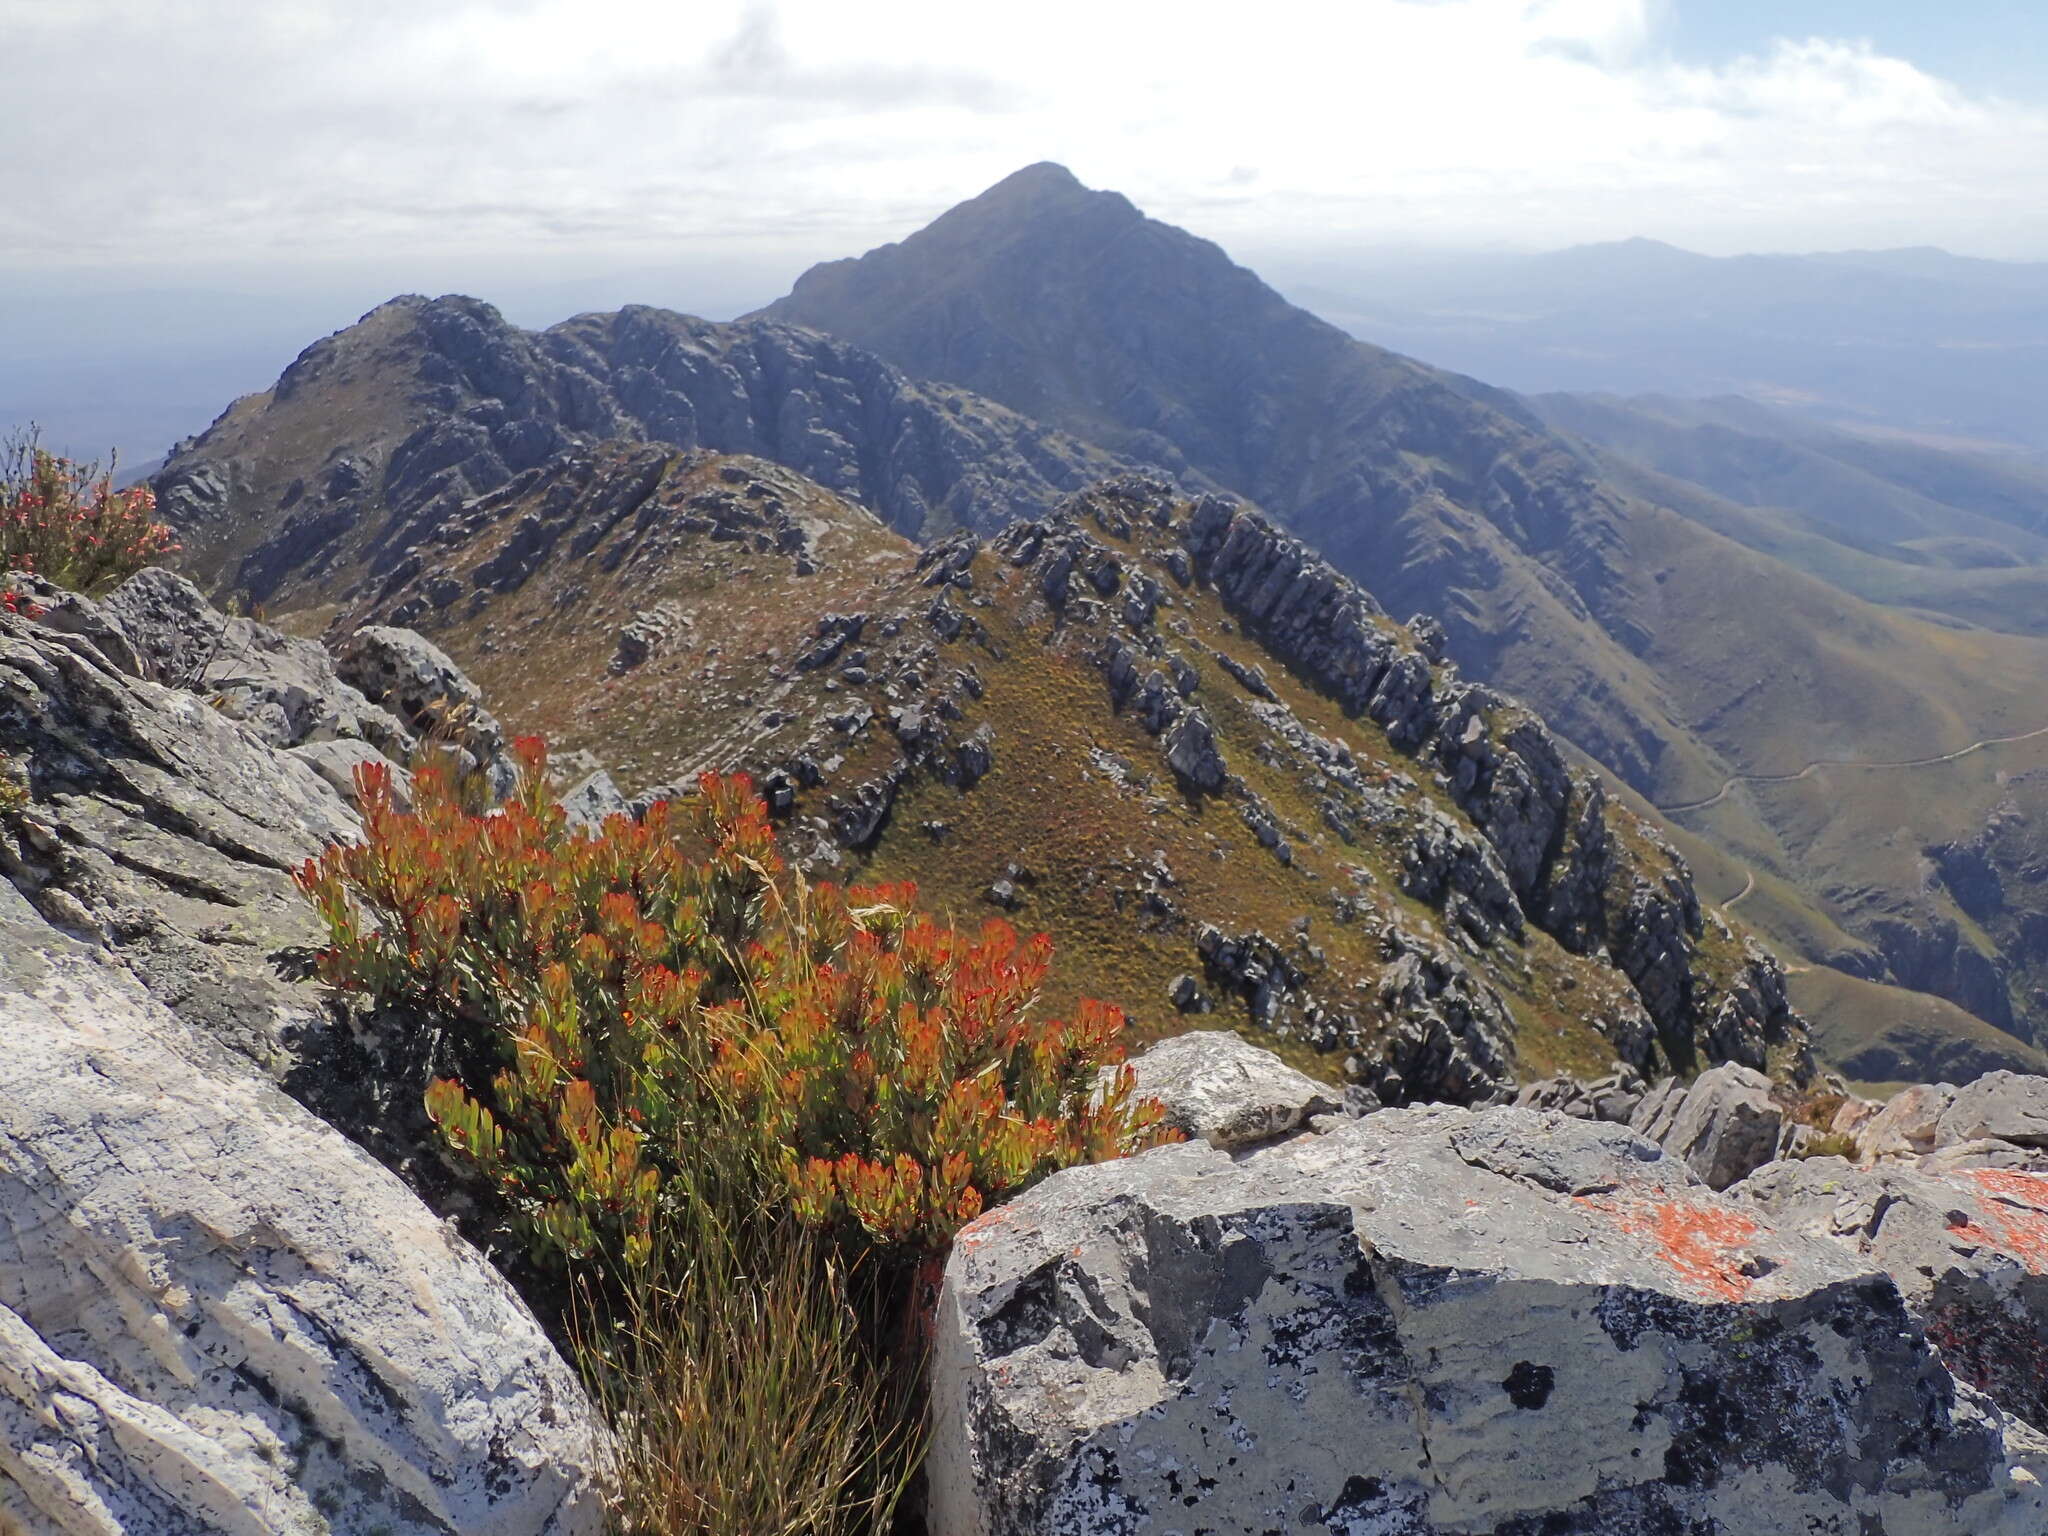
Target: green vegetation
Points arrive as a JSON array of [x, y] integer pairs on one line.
[[13, 786], [64, 521], [743, 1114]]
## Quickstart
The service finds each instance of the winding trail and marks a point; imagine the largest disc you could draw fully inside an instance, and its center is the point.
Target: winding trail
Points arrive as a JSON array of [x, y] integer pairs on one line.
[[1748, 885], [1728, 787]]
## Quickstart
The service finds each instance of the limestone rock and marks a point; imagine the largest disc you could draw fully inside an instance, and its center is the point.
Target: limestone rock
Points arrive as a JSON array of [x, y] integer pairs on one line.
[[1218, 1087], [216, 1314], [591, 801], [1442, 1321], [2008, 1106], [1727, 1126], [283, 687], [1613, 1098], [338, 761], [1658, 1111], [164, 832], [1909, 1123], [1966, 1239], [414, 678]]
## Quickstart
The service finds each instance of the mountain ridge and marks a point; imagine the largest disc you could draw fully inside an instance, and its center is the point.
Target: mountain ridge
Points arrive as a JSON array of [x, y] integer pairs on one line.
[[1669, 651]]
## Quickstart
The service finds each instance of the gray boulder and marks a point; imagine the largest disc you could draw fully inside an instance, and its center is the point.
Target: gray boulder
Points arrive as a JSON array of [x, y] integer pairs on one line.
[[1192, 753], [1909, 1123], [591, 801], [1219, 1088], [415, 679], [283, 687], [1964, 1233], [2007, 1106], [217, 1314], [1728, 1125], [1434, 1321]]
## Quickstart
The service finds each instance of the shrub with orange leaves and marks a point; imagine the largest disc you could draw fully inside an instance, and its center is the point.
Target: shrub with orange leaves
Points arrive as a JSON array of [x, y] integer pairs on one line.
[[669, 1013], [65, 521]]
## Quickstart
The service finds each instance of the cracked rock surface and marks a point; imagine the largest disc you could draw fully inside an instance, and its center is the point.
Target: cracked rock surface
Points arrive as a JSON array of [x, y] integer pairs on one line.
[[1442, 1320], [217, 1314]]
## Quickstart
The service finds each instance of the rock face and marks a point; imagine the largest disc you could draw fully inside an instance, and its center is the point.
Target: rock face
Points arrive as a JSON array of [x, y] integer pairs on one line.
[[1442, 1320], [1965, 1238], [216, 1314], [1221, 1089], [159, 827]]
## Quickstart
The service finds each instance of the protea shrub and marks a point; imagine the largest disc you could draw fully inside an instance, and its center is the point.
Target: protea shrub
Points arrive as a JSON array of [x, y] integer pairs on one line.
[[694, 1073]]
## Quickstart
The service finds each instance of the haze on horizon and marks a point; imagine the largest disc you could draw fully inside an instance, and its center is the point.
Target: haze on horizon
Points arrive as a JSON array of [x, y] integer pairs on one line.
[[200, 187], [171, 141]]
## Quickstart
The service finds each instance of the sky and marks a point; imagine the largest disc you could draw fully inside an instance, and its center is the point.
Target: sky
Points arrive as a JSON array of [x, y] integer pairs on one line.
[[725, 144]]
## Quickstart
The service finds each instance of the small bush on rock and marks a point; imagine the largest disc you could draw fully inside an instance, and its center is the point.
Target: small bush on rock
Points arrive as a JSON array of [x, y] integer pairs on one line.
[[65, 522], [720, 1088], [664, 992]]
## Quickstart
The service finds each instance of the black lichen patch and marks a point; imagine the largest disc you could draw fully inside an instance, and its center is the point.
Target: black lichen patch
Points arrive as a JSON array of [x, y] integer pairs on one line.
[[1529, 1385], [1026, 1318]]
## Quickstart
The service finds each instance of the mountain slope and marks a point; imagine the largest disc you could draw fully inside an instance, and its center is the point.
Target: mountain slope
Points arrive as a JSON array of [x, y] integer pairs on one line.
[[1895, 523], [375, 436], [1672, 654], [1212, 769]]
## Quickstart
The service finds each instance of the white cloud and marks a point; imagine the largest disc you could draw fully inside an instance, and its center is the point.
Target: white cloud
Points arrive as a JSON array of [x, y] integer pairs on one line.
[[189, 132]]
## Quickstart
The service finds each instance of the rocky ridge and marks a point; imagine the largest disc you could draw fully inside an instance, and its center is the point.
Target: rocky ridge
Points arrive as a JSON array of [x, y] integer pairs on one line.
[[375, 439], [1640, 633]]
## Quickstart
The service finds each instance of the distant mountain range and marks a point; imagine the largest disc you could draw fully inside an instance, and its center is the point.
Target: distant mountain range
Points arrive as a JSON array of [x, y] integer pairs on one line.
[[1947, 349], [1703, 598]]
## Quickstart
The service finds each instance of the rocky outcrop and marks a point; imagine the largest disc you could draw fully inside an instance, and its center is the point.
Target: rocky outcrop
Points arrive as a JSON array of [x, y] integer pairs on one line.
[[161, 828], [1613, 1098], [1443, 1320], [1219, 1088], [1964, 1235], [216, 1314], [414, 678], [1534, 845], [1724, 1127], [2005, 1106], [285, 688]]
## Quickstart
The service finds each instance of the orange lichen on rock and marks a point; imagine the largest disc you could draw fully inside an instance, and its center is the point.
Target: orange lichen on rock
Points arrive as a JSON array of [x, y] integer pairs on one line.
[[2016, 1206], [1701, 1243]]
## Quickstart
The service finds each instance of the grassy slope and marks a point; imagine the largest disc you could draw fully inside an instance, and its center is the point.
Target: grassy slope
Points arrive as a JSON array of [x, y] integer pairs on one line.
[[1078, 794]]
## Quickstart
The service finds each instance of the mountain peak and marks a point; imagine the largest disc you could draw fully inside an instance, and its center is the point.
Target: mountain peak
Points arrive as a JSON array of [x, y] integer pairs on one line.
[[1030, 194], [1044, 176]]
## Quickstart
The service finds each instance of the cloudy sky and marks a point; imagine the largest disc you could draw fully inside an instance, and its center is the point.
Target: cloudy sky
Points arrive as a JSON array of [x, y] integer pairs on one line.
[[159, 139]]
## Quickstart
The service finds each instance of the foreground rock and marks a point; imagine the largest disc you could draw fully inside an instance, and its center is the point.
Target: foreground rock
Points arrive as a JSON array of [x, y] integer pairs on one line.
[[1965, 1235], [160, 827], [1442, 1320], [216, 1314]]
